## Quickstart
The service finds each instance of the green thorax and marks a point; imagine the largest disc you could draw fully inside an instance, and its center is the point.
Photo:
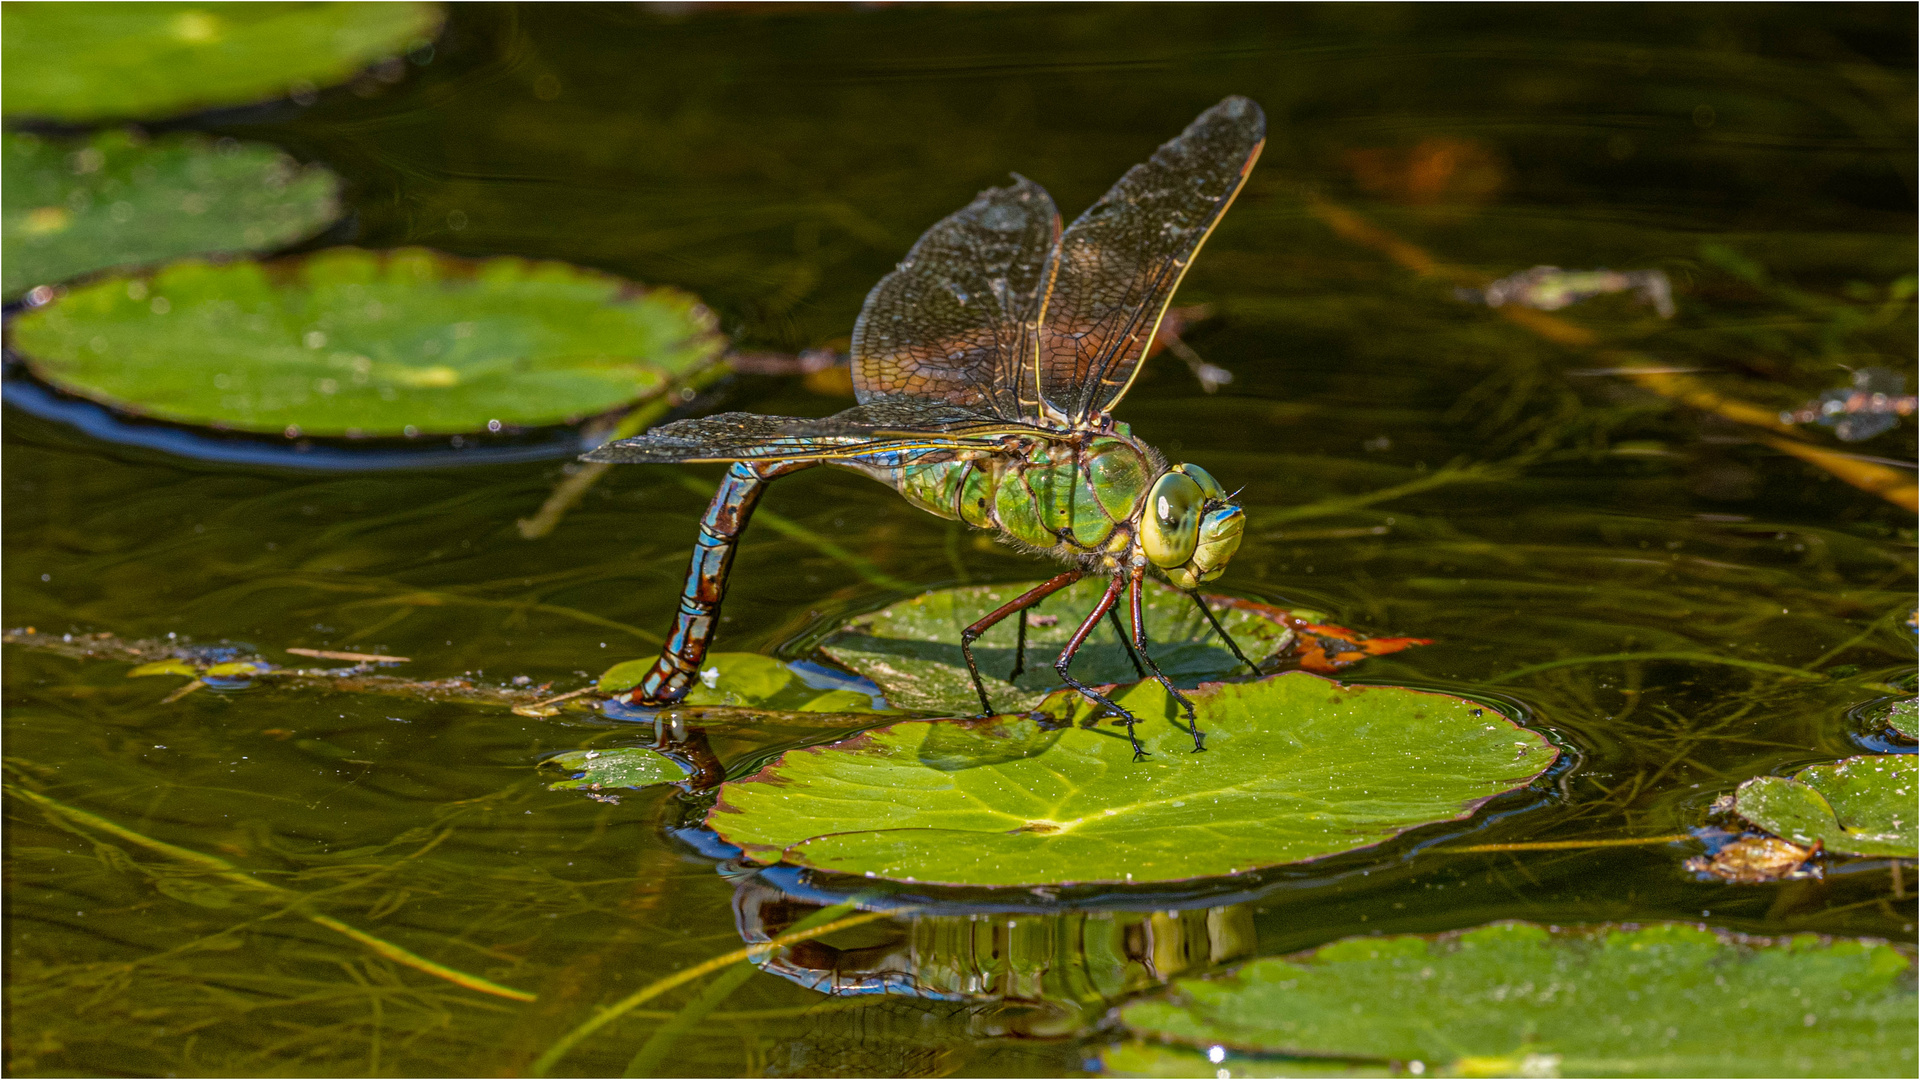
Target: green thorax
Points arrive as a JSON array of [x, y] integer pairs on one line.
[[1058, 495]]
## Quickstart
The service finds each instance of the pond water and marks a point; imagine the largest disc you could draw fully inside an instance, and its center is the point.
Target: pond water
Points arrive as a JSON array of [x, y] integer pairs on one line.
[[1411, 464]]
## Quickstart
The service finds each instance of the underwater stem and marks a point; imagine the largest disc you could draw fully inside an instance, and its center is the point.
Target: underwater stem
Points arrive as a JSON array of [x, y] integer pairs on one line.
[[228, 872]]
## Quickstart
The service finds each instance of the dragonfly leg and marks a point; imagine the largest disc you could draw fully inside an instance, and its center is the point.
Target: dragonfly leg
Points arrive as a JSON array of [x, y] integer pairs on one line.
[[1222, 631], [1093, 618], [1020, 604], [673, 673], [1020, 650], [1140, 646], [1113, 616]]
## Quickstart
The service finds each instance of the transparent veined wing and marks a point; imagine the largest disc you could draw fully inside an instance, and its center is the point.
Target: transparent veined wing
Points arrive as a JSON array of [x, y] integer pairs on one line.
[[1119, 263], [955, 322], [884, 426]]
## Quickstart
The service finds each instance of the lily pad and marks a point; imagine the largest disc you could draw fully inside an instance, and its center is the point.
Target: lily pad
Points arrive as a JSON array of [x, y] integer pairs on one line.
[[1904, 717], [744, 680], [81, 62], [1145, 1059], [1297, 767], [74, 206], [1860, 806], [629, 767], [912, 649], [1515, 999], [362, 343]]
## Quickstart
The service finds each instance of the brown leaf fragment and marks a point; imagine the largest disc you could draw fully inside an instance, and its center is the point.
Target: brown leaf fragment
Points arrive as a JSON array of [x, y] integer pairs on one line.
[[182, 692], [1754, 860], [360, 658]]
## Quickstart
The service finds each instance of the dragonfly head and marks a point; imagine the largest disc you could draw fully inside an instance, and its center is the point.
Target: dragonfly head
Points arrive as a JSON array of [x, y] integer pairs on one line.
[[1190, 529]]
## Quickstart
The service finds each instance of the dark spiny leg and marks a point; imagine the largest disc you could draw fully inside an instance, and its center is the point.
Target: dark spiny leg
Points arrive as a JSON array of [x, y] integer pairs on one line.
[[1019, 603], [699, 615], [1020, 650], [1066, 658], [1222, 631], [1113, 616], [1140, 642]]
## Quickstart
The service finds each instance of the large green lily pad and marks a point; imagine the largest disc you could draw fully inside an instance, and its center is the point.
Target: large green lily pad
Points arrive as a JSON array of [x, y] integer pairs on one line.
[[352, 342], [1297, 767], [912, 649], [83, 62], [1514, 999], [74, 206], [1860, 806]]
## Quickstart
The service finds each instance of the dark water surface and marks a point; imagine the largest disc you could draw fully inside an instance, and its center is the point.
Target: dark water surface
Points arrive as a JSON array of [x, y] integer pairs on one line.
[[778, 163]]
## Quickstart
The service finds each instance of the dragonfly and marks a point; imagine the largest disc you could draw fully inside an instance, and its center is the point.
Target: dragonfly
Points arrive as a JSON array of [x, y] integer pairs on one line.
[[986, 368]]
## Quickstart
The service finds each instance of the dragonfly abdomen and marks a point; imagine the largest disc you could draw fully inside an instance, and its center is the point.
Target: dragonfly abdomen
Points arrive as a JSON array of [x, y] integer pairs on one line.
[[1070, 498]]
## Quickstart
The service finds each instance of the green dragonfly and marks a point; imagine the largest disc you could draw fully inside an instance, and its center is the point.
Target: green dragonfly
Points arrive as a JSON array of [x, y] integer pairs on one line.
[[987, 366]]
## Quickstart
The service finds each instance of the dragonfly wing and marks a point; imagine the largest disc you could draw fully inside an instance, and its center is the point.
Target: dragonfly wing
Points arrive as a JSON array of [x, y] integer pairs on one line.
[[955, 322], [1120, 263], [910, 426]]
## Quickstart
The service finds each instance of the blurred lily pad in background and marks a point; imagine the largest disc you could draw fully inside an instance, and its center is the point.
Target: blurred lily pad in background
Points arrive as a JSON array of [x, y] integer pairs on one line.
[[1860, 806], [74, 206], [85, 62], [1297, 767], [912, 649], [363, 343], [1514, 999]]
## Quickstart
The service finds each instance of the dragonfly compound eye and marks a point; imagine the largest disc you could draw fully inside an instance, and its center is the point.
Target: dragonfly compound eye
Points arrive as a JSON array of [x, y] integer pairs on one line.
[[1219, 538], [1210, 488], [1172, 525]]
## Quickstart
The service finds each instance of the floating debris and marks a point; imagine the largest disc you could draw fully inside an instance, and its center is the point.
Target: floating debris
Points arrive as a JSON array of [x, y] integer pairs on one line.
[[1872, 402], [1549, 288], [1754, 860]]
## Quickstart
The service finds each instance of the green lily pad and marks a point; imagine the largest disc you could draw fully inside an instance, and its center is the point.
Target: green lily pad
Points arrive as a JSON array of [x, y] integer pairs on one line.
[[629, 767], [82, 62], [912, 649], [351, 342], [1514, 999], [1145, 1059], [74, 206], [1297, 767], [746, 680], [165, 667], [1860, 806], [1904, 717]]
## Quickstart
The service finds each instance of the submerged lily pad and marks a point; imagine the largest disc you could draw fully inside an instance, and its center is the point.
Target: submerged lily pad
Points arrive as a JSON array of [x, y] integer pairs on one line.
[[1860, 806], [72, 207], [912, 649], [630, 767], [351, 342], [1297, 768], [1514, 999], [93, 61]]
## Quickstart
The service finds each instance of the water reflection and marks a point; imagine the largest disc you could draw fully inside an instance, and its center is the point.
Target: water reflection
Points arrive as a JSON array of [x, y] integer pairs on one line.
[[1046, 974]]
